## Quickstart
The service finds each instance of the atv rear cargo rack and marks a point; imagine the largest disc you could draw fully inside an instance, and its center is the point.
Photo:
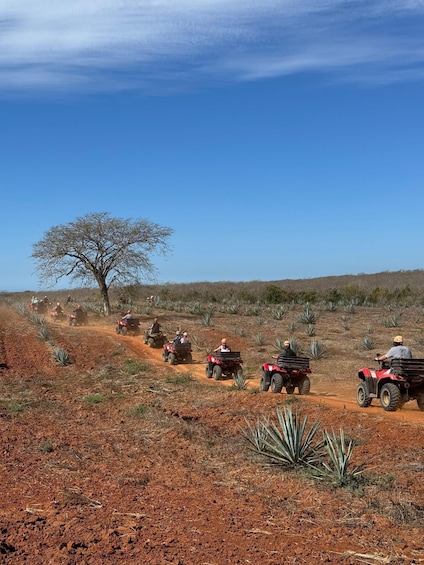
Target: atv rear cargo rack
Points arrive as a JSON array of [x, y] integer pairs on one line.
[[228, 355], [182, 346], [301, 363], [408, 367]]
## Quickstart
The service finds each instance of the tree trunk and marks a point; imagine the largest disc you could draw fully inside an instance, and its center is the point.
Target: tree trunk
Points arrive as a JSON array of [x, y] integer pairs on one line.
[[105, 297]]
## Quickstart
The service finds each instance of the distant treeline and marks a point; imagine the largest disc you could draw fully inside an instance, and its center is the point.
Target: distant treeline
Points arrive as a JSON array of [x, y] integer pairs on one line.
[[404, 287], [399, 287]]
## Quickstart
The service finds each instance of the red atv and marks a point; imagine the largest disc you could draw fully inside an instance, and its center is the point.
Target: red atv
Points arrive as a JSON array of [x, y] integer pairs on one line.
[[78, 318], [58, 316], [394, 383], [154, 340], [176, 352], [131, 326], [228, 364], [290, 372]]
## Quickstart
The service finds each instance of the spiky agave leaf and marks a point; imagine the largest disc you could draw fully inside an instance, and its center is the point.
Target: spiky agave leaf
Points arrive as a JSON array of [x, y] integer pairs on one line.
[[256, 434], [292, 443], [340, 455]]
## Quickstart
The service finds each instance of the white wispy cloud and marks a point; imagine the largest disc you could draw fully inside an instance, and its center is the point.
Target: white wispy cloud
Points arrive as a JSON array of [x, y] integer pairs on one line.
[[154, 45]]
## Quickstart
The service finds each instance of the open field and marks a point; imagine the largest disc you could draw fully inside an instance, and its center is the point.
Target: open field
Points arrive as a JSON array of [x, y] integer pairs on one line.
[[120, 457]]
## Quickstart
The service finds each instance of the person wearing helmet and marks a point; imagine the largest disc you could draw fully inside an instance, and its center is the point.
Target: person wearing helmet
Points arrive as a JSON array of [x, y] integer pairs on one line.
[[58, 309], [79, 313], [155, 328], [397, 351], [127, 316], [223, 346]]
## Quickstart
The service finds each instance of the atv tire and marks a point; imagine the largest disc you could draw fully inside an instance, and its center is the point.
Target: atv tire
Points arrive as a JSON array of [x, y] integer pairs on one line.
[[390, 397], [276, 383], [150, 342], [188, 358], [217, 372], [420, 401], [172, 359], [164, 356], [305, 386], [124, 330], [265, 381], [238, 373], [118, 330], [363, 395], [208, 372]]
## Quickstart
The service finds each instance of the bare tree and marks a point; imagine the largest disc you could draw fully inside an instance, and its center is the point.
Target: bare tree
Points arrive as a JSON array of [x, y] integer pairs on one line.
[[111, 250]]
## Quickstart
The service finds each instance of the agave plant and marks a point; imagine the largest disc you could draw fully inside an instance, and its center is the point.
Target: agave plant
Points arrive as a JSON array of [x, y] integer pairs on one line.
[[367, 342], [350, 308], [278, 313], [44, 333], [340, 453], [318, 350], [307, 316], [62, 356], [310, 330], [256, 434], [207, 319], [289, 444], [259, 339], [240, 381]]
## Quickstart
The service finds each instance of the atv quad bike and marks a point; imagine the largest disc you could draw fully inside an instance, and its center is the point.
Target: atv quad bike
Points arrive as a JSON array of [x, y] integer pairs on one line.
[[154, 340], [227, 364], [58, 316], [131, 326], [78, 319], [175, 352], [290, 373], [394, 383]]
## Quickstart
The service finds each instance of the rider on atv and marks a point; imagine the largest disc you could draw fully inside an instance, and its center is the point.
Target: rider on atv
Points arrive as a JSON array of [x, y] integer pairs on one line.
[[397, 351]]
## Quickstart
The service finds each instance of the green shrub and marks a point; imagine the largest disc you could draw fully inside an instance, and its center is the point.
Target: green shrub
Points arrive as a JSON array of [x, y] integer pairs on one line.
[[180, 379], [95, 398], [139, 410], [134, 366]]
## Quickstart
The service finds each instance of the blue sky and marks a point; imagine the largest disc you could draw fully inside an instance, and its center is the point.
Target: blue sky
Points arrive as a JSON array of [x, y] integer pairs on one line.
[[279, 139]]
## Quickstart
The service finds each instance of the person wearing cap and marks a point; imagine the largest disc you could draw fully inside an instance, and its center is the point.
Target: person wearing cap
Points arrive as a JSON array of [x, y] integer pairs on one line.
[[287, 352], [223, 347], [397, 351]]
